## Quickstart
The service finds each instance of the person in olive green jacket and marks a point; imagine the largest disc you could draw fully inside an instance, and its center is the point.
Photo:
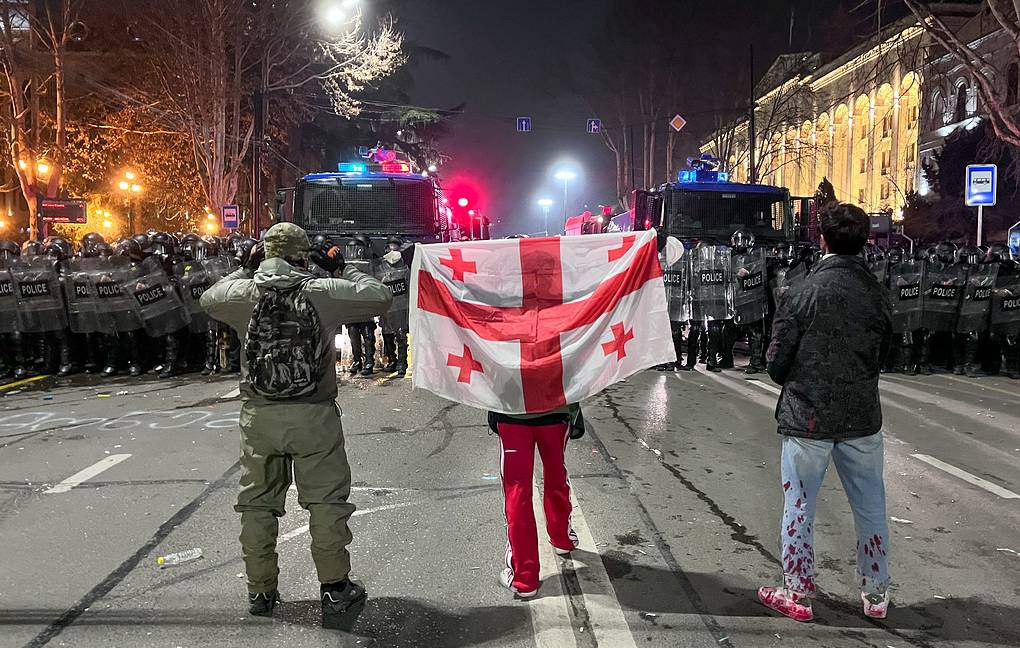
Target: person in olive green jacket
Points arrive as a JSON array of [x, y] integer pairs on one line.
[[301, 434]]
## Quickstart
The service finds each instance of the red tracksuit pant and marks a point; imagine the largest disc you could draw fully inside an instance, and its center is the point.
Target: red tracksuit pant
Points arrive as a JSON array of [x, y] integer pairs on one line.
[[517, 456]]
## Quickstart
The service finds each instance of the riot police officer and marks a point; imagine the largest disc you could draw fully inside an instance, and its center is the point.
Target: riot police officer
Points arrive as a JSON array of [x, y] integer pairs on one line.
[[975, 309], [360, 254], [1005, 308], [747, 283], [394, 270], [10, 340], [194, 279], [165, 318], [711, 303], [40, 308], [676, 277], [944, 278]]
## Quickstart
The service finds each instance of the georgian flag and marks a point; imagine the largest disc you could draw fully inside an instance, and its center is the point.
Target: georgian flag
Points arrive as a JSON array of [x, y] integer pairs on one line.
[[529, 325]]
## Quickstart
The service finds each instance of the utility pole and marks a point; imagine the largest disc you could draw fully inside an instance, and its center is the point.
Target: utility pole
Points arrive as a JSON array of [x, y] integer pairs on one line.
[[752, 135], [260, 102]]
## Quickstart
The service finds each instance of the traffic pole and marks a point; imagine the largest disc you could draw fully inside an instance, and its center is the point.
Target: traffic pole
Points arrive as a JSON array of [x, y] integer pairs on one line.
[[980, 223]]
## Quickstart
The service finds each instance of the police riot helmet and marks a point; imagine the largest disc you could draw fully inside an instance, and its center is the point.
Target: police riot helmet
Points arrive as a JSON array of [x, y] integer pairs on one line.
[[103, 250], [741, 241], [321, 242], [162, 245], [785, 253], [969, 255], [142, 240], [363, 240], [395, 243], [58, 247], [89, 243], [945, 252], [187, 249], [9, 249], [997, 253], [243, 250], [200, 251], [190, 236], [895, 255], [129, 248], [212, 246], [31, 247]]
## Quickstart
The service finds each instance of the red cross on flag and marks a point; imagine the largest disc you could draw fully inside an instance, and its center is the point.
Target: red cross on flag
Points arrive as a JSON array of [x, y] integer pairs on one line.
[[528, 325]]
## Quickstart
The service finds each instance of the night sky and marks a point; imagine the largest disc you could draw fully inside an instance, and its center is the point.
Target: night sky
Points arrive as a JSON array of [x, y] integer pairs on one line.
[[524, 57]]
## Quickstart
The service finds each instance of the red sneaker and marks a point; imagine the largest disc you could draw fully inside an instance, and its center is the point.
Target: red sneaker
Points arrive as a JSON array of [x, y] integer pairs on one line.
[[786, 602]]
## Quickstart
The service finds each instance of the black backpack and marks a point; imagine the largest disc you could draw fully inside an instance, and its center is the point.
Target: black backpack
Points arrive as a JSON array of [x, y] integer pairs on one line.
[[286, 355]]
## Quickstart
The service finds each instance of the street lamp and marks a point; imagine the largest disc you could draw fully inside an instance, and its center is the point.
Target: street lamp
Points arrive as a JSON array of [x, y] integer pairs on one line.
[[336, 12], [129, 187], [566, 175], [545, 204]]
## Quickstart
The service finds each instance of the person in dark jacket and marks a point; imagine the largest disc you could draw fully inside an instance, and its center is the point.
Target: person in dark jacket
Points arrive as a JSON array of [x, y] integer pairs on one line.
[[831, 332]]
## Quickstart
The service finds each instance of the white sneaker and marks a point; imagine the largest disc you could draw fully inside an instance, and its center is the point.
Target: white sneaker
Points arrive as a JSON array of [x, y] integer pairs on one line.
[[561, 552], [876, 606], [506, 580]]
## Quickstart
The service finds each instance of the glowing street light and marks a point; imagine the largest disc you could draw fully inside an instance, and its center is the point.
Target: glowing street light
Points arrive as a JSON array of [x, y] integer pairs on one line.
[[42, 167], [463, 202], [565, 175], [336, 12], [130, 175], [432, 168], [136, 188]]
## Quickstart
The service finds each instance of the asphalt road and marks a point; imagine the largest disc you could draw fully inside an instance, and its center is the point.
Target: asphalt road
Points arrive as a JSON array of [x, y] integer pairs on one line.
[[679, 508]]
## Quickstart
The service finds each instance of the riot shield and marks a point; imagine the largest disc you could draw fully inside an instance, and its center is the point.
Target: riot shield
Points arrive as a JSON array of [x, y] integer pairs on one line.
[[194, 279], [880, 268], [40, 299], [112, 274], [398, 279], [158, 305], [778, 283], [360, 258], [8, 305], [678, 289], [943, 292], [218, 267], [906, 280], [976, 307], [711, 297], [85, 313], [747, 281], [1005, 316]]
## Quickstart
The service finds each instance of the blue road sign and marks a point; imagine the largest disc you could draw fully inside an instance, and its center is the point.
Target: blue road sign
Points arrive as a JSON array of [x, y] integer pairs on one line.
[[981, 184], [524, 124], [230, 216], [595, 126]]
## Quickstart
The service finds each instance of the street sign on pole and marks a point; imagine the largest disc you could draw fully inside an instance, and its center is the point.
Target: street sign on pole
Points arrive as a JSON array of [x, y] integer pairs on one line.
[[980, 189], [595, 126], [230, 216], [524, 124], [677, 123]]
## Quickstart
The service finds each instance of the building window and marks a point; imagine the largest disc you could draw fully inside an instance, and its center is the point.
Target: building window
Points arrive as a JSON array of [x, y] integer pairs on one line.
[[885, 191], [887, 126], [1012, 79], [912, 117], [885, 162], [960, 113], [938, 111], [860, 196], [864, 165], [910, 155]]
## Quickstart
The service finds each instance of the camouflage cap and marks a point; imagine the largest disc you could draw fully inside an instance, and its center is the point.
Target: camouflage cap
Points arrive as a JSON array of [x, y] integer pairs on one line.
[[286, 240]]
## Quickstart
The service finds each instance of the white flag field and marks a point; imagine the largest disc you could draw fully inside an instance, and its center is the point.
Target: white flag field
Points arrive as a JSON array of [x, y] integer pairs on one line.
[[528, 325]]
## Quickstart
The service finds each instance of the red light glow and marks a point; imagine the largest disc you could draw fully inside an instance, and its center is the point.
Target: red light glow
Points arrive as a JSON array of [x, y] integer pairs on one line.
[[463, 202], [396, 167]]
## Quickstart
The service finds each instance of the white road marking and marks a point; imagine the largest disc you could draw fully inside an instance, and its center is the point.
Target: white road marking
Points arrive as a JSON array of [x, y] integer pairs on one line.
[[550, 616], [766, 386], [304, 527], [995, 489], [608, 623], [368, 489], [233, 393], [88, 473]]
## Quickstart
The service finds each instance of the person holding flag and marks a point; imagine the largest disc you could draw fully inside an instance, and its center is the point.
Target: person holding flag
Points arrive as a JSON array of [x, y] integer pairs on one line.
[[526, 329]]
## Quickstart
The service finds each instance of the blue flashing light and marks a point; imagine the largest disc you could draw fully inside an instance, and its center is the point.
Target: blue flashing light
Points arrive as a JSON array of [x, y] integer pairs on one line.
[[692, 176], [358, 168]]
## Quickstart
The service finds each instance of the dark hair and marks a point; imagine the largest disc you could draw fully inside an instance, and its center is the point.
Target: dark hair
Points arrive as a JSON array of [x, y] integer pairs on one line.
[[845, 228]]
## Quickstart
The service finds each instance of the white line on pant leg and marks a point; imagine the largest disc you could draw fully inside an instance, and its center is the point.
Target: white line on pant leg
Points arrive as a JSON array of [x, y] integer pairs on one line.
[[88, 473], [994, 489], [304, 527], [550, 617], [604, 612]]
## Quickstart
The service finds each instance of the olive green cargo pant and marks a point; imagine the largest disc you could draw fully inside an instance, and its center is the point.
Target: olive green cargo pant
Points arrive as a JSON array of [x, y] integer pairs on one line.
[[308, 438]]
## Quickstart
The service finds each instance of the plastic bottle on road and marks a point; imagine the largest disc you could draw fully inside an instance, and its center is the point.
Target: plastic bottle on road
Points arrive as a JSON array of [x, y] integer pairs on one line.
[[170, 560]]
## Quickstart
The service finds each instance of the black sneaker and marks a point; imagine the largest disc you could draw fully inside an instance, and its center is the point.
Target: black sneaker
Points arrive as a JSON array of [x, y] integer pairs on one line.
[[262, 603], [337, 599]]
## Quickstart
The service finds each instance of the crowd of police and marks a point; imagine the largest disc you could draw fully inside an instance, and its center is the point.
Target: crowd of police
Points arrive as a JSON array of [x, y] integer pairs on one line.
[[953, 307], [133, 306]]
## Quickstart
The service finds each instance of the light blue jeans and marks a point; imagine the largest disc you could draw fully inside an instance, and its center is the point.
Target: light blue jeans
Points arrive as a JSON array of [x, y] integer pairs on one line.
[[859, 464]]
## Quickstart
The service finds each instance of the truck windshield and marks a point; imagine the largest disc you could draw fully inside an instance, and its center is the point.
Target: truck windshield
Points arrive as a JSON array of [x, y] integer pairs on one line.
[[717, 214], [343, 206]]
